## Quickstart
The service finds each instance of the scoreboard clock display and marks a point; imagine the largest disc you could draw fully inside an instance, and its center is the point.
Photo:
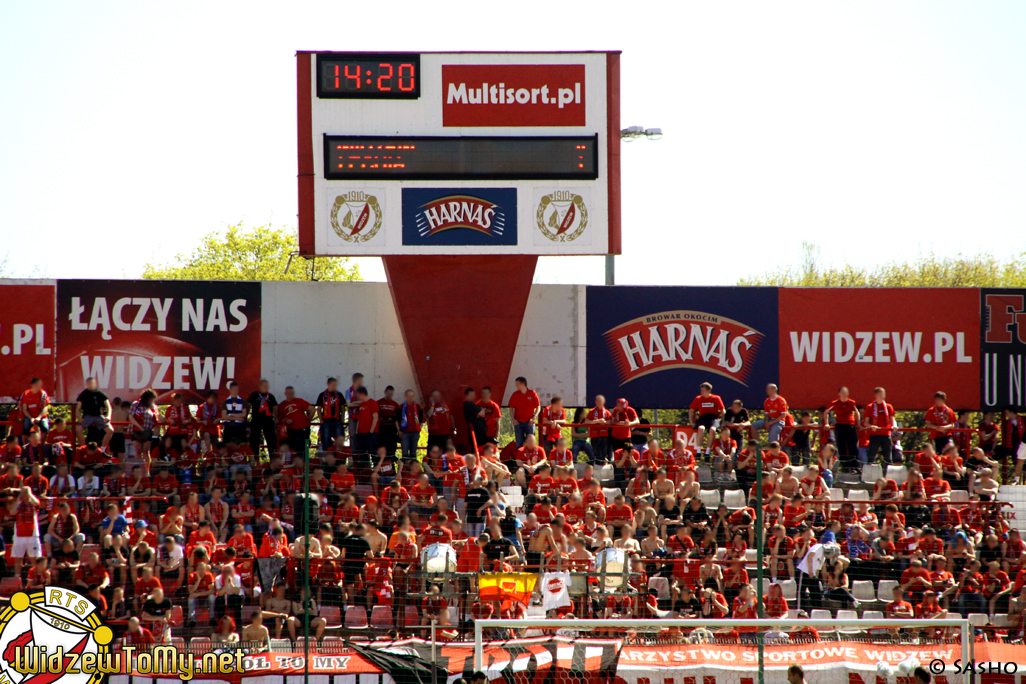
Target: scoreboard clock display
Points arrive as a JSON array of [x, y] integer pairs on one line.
[[459, 158], [458, 153], [371, 76]]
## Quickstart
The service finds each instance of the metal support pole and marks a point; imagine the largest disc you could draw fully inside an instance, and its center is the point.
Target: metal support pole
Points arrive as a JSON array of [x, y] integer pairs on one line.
[[610, 270], [434, 657], [478, 646], [967, 672], [306, 567], [759, 554]]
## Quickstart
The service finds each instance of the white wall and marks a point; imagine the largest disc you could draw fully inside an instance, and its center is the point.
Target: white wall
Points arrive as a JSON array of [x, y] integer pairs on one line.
[[550, 350], [313, 330]]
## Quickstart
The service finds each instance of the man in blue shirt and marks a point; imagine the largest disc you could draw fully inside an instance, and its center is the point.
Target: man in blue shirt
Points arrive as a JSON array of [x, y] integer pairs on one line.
[[114, 524], [830, 533]]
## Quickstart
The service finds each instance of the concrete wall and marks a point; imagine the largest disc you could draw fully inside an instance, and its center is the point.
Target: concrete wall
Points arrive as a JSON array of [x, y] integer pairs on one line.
[[550, 350], [313, 330]]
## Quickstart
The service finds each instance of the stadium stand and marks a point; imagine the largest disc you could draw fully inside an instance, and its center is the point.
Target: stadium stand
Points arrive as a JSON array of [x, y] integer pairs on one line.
[[179, 519]]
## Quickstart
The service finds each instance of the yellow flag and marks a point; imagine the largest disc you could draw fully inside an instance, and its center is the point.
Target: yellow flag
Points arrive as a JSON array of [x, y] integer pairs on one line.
[[503, 586]]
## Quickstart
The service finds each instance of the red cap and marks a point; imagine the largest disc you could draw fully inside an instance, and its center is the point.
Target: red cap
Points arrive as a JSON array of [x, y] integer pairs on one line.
[[372, 499]]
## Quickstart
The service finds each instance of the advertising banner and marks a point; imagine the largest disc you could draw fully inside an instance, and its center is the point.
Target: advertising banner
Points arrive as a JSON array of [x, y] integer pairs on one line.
[[910, 341], [169, 335], [513, 95], [1003, 348], [612, 661], [656, 345], [842, 661], [26, 338], [460, 216]]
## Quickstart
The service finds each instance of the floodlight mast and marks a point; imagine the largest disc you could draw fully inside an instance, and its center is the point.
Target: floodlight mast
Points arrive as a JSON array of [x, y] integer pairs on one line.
[[629, 134]]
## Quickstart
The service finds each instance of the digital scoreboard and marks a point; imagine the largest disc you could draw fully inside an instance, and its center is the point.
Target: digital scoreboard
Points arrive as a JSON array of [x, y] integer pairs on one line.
[[458, 153], [460, 158]]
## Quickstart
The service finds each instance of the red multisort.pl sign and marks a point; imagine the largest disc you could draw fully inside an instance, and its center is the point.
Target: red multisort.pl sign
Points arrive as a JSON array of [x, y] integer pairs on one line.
[[513, 95]]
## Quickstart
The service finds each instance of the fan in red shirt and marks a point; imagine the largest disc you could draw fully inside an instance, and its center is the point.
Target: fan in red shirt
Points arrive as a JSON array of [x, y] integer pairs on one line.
[[34, 404], [437, 533], [941, 421], [563, 485], [529, 458], [526, 405], [440, 422], [550, 422], [543, 511], [775, 408], [679, 459], [619, 514], [935, 485], [493, 413], [541, 483], [366, 425], [775, 459], [878, 420], [744, 608], [775, 605], [623, 417], [295, 413], [561, 455], [573, 510], [12, 450], [138, 636], [423, 495], [847, 417], [597, 419], [703, 413]]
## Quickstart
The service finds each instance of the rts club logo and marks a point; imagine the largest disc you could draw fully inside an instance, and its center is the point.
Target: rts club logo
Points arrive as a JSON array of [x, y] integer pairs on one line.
[[356, 216], [53, 635], [683, 339], [562, 216]]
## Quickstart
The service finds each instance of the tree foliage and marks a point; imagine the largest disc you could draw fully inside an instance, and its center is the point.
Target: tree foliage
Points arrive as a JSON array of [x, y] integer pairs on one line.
[[260, 253], [980, 270]]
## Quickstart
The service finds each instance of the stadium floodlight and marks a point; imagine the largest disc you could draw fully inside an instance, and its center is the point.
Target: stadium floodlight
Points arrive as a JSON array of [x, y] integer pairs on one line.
[[632, 133]]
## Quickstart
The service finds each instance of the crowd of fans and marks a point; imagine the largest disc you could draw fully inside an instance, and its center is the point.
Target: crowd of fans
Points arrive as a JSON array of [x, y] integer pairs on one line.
[[183, 515]]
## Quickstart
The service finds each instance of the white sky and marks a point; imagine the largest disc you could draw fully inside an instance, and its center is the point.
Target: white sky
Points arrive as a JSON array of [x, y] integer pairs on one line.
[[879, 130]]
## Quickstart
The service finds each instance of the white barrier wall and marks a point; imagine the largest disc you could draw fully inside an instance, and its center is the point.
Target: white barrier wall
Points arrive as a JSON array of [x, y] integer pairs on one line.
[[311, 331], [551, 346], [314, 330]]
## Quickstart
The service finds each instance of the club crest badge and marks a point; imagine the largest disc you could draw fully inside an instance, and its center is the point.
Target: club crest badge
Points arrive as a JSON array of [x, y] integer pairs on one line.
[[356, 216], [562, 216], [64, 623]]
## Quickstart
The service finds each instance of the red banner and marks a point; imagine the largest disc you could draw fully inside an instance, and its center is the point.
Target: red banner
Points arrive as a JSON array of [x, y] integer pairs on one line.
[[26, 337], [835, 661], [513, 95], [911, 341], [610, 661], [169, 335]]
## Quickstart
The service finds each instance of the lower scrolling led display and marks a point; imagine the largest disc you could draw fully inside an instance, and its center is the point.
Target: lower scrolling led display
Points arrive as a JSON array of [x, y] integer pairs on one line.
[[436, 158]]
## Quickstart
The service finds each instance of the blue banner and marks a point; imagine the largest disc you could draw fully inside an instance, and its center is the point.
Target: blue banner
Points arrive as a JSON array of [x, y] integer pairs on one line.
[[479, 217], [655, 345]]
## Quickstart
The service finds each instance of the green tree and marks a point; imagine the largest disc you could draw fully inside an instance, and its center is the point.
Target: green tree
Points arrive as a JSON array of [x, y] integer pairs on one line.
[[980, 270], [260, 253]]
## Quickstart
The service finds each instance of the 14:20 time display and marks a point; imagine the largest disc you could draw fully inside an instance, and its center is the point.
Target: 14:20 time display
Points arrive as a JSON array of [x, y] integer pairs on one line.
[[370, 76]]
